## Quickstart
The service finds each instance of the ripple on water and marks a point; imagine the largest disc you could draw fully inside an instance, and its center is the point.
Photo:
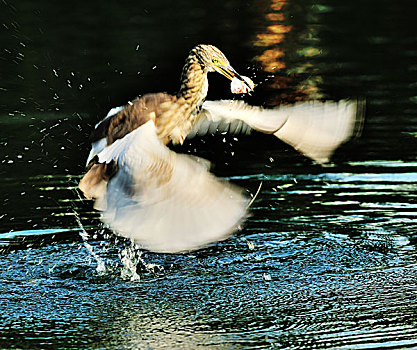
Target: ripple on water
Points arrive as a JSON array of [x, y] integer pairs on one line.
[[325, 261]]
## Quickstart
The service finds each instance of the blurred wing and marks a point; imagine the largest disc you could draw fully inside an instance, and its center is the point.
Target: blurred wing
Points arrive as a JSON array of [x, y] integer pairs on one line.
[[313, 128], [317, 129], [164, 201]]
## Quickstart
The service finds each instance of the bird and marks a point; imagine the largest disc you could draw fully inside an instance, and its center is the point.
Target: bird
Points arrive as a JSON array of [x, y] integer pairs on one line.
[[167, 202]]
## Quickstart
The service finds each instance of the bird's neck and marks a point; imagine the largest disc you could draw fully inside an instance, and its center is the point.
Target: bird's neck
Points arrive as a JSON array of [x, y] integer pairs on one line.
[[194, 83], [193, 91]]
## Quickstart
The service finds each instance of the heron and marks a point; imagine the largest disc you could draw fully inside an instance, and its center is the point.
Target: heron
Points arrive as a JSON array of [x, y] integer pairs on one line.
[[168, 202]]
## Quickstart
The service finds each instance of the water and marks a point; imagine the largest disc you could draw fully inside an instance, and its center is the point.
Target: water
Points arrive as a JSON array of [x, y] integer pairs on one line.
[[327, 258]]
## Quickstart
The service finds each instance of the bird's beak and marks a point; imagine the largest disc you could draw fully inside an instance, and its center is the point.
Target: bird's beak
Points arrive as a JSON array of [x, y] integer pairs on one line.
[[230, 73]]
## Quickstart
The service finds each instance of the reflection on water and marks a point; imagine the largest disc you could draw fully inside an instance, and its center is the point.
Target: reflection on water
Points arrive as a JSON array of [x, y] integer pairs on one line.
[[289, 42], [327, 259]]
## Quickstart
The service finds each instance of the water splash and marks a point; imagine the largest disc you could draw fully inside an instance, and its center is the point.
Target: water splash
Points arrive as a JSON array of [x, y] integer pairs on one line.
[[130, 258], [101, 266]]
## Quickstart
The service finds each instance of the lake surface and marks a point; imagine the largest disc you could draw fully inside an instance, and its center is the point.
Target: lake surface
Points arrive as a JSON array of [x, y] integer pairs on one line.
[[328, 256]]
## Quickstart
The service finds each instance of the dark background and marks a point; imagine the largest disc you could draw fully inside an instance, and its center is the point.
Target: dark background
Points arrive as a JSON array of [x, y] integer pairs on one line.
[[333, 262]]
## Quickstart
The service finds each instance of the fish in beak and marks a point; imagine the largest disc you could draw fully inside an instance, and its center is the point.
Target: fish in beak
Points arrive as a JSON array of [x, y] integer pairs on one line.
[[229, 72]]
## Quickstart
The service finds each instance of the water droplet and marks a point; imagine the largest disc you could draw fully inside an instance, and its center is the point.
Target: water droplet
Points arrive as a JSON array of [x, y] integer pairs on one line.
[[267, 277]]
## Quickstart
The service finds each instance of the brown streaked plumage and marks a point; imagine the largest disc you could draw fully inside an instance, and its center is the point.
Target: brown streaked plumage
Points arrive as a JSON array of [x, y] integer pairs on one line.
[[170, 113], [131, 117]]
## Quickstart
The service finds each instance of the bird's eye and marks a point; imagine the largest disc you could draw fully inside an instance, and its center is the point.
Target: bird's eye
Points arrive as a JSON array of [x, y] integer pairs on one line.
[[215, 60]]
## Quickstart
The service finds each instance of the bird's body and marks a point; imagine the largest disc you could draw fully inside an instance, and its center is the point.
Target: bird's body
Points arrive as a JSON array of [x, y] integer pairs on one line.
[[162, 200], [168, 202], [132, 116], [173, 115]]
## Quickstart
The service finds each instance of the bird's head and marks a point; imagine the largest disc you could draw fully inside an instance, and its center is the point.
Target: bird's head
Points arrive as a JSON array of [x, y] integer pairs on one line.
[[213, 60]]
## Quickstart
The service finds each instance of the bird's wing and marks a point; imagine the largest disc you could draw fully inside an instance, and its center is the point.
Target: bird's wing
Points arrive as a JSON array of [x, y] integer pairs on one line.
[[164, 201], [313, 128]]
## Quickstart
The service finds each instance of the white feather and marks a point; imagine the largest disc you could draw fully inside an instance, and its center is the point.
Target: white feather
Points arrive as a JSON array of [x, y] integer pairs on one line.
[[313, 128], [317, 129], [164, 201], [98, 146]]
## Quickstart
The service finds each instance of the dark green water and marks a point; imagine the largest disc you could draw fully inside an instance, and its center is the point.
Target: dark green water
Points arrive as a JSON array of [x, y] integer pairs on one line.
[[328, 257]]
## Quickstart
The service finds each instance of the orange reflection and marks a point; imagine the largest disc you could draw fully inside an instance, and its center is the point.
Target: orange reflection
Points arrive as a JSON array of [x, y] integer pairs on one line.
[[286, 53]]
